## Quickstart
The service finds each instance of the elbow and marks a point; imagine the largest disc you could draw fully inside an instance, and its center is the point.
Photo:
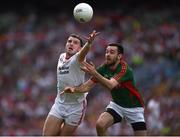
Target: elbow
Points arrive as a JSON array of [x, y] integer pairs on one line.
[[110, 87], [112, 84]]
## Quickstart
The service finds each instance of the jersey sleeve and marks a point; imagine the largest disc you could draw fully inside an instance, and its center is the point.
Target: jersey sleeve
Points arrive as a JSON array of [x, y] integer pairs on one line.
[[121, 75]]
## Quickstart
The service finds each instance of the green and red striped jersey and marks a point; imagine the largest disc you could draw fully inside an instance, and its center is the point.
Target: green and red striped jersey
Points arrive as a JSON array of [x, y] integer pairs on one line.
[[125, 94]]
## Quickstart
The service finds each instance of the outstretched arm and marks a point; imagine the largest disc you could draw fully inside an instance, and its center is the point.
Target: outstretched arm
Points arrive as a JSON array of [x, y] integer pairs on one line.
[[83, 52], [90, 69], [87, 86]]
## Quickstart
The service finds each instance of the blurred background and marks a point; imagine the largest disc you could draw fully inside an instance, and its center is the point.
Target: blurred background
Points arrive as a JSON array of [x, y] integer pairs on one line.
[[33, 33]]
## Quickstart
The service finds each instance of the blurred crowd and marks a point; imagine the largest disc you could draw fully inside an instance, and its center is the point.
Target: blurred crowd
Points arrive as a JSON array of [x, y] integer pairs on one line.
[[29, 50]]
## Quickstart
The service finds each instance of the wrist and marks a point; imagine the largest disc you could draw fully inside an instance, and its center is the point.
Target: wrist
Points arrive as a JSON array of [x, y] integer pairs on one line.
[[95, 74], [89, 43]]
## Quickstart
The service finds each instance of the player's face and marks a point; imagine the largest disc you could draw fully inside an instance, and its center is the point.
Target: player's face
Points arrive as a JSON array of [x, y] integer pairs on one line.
[[111, 55], [72, 45]]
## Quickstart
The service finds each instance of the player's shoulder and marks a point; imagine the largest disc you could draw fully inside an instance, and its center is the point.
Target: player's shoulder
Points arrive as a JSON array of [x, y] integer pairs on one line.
[[62, 55], [124, 64], [126, 67]]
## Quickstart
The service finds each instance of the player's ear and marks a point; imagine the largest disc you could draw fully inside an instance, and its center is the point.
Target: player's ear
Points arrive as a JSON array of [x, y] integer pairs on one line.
[[119, 56]]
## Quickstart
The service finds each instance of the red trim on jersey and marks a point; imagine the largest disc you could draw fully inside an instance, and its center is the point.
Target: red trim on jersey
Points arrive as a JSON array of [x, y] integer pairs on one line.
[[83, 111], [132, 90], [123, 70], [119, 75]]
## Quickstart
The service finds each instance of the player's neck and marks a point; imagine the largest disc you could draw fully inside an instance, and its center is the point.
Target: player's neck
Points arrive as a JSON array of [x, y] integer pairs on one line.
[[114, 66], [68, 56]]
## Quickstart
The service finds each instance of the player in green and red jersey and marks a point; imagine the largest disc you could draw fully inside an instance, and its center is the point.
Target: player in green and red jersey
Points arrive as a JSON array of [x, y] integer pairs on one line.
[[117, 76]]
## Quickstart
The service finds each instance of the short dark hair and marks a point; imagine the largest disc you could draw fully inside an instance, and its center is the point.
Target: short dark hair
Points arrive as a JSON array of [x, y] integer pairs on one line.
[[119, 46], [78, 37]]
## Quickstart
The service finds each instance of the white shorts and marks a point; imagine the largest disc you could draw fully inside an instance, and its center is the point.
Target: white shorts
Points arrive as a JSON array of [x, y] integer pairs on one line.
[[132, 115], [72, 114]]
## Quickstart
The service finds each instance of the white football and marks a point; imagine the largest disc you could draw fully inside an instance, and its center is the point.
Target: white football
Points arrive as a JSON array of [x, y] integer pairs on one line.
[[83, 12]]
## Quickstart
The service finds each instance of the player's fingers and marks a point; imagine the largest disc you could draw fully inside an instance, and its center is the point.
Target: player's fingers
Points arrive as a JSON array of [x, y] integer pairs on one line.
[[62, 93], [97, 33], [83, 63], [92, 64], [89, 64], [89, 39], [91, 36], [84, 69], [94, 34], [84, 37], [94, 31], [86, 64]]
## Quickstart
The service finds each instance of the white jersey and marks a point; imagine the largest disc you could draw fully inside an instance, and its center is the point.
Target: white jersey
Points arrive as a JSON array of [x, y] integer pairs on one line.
[[69, 74]]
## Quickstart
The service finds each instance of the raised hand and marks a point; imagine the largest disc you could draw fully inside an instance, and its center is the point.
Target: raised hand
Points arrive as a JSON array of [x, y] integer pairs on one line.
[[89, 68], [92, 36]]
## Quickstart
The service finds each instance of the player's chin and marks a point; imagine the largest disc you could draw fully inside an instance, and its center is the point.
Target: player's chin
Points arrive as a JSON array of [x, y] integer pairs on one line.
[[108, 62], [71, 52]]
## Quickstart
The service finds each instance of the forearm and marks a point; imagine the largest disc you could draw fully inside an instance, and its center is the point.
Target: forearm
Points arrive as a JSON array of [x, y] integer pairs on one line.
[[81, 89], [87, 46], [104, 81], [85, 87], [84, 51]]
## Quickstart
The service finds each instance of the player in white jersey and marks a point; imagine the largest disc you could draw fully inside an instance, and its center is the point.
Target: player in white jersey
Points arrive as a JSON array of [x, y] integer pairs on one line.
[[68, 109]]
